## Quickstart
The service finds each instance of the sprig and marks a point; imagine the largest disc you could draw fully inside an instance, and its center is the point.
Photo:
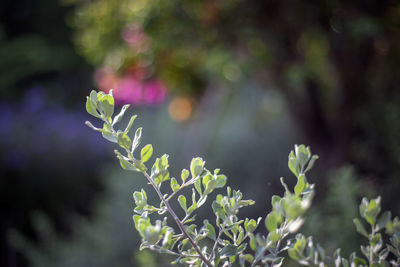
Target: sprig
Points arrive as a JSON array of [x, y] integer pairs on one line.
[[231, 238]]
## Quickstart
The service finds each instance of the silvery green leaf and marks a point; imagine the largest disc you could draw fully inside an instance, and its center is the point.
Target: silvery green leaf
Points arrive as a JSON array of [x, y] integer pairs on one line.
[[301, 184], [107, 103], [184, 175], [126, 165], [311, 163], [91, 108], [108, 134], [384, 219], [130, 123], [196, 167], [123, 140], [120, 115], [146, 153], [182, 202], [174, 185], [88, 123], [136, 139]]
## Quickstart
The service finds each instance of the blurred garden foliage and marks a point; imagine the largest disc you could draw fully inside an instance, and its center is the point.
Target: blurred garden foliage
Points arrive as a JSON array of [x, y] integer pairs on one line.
[[334, 62]]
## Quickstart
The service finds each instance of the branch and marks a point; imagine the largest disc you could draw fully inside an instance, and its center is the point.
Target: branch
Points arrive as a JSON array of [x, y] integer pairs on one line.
[[178, 222]]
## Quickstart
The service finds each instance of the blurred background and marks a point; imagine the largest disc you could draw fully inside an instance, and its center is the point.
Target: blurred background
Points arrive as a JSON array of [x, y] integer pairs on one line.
[[236, 82]]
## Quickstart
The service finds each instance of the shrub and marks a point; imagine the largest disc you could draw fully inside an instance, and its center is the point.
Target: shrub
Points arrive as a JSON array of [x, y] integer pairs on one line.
[[230, 238]]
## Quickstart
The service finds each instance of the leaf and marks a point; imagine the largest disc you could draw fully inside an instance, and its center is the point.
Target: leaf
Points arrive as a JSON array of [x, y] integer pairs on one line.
[[292, 164], [275, 200], [311, 163], [220, 181], [209, 187], [287, 191], [182, 202], [228, 251], [146, 153], [196, 167], [123, 140], [384, 219], [91, 108], [136, 139], [126, 165], [107, 133], [184, 175], [174, 185], [360, 228], [120, 115], [129, 126], [211, 230], [271, 222], [301, 184], [253, 244], [250, 226], [302, 155], [107, 103], [274, 236], [88, 123], [206, 178], [197, 185]]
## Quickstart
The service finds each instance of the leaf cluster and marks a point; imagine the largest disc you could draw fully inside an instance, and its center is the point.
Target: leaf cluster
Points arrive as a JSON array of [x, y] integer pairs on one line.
[[231, 239]]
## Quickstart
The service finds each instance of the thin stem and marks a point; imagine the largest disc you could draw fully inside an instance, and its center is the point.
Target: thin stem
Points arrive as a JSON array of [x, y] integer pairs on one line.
[[221, 230], [161, 249], [178, 222], [190, 182]]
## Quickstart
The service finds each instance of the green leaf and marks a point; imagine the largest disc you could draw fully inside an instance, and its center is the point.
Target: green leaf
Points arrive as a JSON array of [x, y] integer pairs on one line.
[[206, 178], [126, 165], [136, 139], [272, 220], [253, 243], [360, 228], [302, 154], [174, 185], [193, 207], [275, 200], [292, 164], [120, 115], [250, 226], [384, 219], [211, 230], [123, 140], [107, 133], [287, 191], [228, 251], [210, 187], [301, 184], [146, 153], [197, 185], [274, 236], [196, 167], [184, 175], [129, 126], [91, 108], [311, 163], [88, 123], [107, 103], [220, 181], [182, 202]]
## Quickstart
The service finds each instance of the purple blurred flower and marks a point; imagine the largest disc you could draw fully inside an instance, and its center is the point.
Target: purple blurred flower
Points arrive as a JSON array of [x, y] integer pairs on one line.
[[34, 130]]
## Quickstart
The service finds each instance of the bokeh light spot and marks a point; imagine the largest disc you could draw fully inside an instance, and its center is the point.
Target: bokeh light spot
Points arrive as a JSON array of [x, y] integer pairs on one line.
[[180, 109]]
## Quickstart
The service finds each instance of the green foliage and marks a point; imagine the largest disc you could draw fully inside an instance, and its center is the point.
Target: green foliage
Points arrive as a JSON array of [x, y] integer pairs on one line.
[[232, 239]]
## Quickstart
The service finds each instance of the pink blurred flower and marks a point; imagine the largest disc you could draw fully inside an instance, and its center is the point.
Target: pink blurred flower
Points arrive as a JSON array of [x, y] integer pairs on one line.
[[154, 92], [135, 38], [131, 89], [105, 78]]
